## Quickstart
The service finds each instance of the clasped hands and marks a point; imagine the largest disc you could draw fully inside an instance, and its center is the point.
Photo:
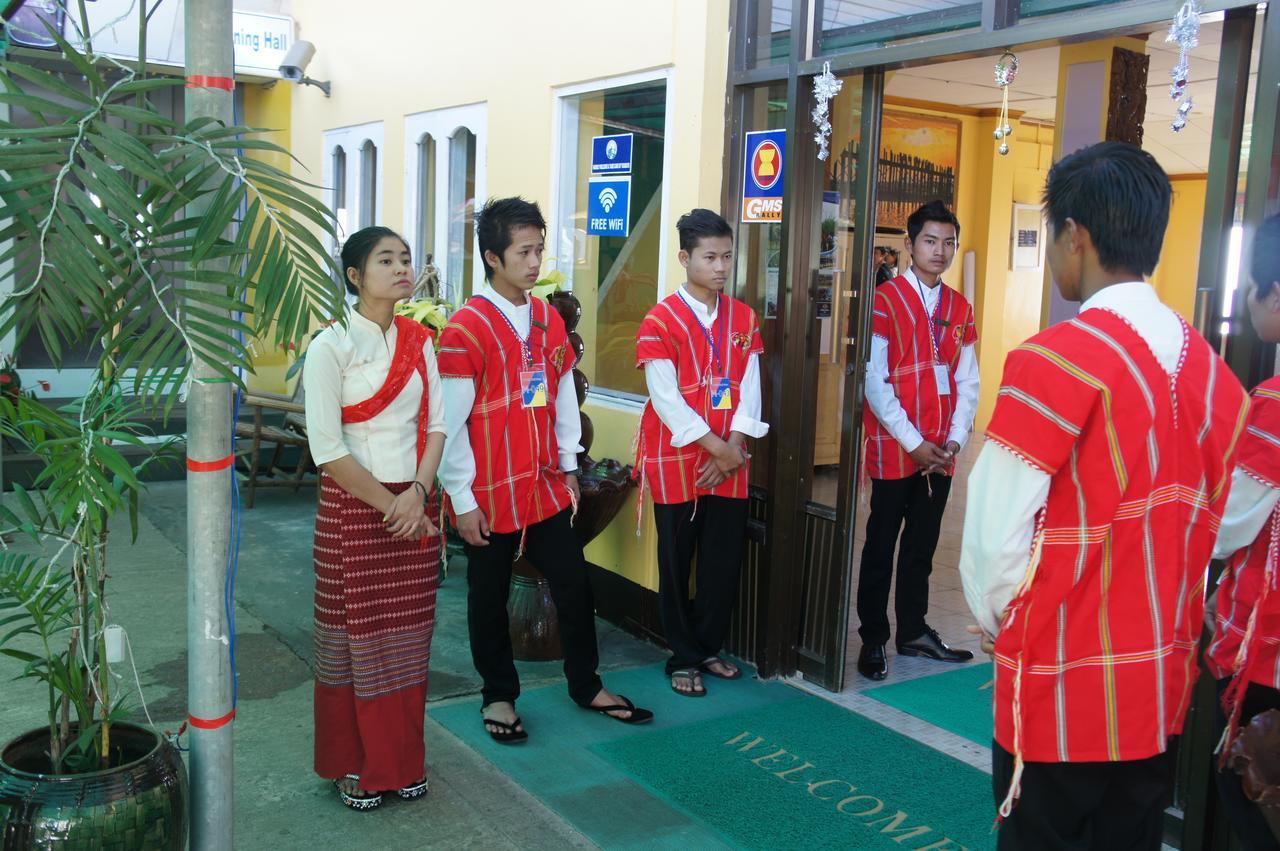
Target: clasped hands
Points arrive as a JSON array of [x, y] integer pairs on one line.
[[931, 458], [726, 457], [406, 517]]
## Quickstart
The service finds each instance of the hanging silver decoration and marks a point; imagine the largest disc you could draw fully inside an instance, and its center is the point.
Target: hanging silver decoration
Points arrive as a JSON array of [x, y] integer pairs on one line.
[[825, 87], [1184, 32], [1006, 72]]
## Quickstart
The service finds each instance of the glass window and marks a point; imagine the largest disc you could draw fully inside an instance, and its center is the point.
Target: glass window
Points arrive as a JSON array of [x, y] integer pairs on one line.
[[340, 192], [462, 200], [425, 236], [759, 278], [368, 183], [768, 32], [848, 24], [614, 277]]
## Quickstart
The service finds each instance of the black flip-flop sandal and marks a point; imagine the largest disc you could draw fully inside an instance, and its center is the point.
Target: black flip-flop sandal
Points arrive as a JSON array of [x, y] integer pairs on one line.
[[506, 734], [688, 674], [706, 669], [413, 790], [359, 803], [637, 716]]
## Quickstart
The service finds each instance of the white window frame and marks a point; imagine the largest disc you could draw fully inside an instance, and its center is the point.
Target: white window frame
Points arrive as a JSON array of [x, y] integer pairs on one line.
[[565, 127], [441, 124], [352, 139]]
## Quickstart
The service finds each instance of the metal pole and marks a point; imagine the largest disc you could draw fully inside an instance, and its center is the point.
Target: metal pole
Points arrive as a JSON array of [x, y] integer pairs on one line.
[[209, 675]]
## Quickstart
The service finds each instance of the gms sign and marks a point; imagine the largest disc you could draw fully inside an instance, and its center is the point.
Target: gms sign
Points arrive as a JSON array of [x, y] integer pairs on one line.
[[762, 178]]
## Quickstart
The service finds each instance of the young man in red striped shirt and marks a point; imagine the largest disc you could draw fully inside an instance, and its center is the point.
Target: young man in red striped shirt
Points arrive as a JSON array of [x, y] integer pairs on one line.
[[1091, 516], [922, 392], [1244, 655], [700, 351], [510, 465]]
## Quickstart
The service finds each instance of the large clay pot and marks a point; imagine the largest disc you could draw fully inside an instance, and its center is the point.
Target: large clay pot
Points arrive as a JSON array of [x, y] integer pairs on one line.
[[140, 804], [531, 613], [569, 308], [535, 633]]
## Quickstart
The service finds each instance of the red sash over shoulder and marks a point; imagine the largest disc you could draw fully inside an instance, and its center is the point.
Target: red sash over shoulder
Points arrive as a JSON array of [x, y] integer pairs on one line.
[[411, 337]]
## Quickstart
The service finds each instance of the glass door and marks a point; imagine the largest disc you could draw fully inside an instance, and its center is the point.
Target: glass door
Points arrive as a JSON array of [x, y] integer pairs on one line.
[[833, 316]]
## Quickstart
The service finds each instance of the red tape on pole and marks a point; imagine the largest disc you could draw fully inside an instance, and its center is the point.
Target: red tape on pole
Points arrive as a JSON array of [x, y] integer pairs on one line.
[[202, 724], [200, 81], [210, 466]]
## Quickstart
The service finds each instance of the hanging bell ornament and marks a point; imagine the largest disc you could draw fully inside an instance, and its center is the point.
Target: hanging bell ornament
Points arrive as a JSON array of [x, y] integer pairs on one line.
[[1008, 131], [999, 134], [1003, 149]]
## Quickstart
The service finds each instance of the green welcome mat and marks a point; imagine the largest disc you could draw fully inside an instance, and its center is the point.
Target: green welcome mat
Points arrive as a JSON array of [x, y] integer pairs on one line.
[[809, 774], [676, 784], [955, 701]]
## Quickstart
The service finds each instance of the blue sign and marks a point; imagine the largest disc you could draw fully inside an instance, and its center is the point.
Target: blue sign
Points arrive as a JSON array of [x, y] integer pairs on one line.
[[611, 154], [609, 206], [762, 177]]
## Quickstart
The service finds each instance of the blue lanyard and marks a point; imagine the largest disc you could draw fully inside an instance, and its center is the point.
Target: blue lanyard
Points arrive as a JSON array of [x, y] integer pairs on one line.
[[526, 350], [712, 340]]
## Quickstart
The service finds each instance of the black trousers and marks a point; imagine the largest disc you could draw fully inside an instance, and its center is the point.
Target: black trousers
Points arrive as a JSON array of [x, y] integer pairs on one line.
[[553, 548], [1246, 819], [906, 513], [1107, 806], [716, 534]]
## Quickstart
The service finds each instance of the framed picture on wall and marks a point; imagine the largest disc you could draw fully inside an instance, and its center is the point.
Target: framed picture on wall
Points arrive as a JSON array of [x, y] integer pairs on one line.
[[919, 163], [1027, 239]]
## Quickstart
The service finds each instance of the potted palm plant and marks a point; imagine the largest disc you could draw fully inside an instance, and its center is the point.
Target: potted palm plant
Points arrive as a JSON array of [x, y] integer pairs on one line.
[[97, 185]]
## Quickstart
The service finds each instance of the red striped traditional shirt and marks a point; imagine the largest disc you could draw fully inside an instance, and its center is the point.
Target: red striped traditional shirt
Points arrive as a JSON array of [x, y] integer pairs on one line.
[[518, 481], [1095, 658], [670, 331], [1248, 583], [917, 341]]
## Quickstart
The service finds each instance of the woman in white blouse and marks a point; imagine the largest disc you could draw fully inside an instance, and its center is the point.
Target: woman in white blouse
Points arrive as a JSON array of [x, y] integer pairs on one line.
[[375, 422]]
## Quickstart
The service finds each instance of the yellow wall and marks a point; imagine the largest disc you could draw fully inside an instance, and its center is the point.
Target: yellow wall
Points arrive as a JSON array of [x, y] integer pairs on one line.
[[270, 109], [462, 53], [1006, 303], [1175, 277]]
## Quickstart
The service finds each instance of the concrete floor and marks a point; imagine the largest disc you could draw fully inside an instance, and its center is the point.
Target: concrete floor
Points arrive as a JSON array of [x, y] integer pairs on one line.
[[279, 801]]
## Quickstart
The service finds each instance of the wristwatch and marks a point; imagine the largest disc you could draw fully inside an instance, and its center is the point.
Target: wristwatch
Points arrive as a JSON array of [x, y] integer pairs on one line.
[[576, 471]]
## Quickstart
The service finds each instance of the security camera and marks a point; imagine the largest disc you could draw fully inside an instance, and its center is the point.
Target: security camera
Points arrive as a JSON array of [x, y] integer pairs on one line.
[[296, 62]]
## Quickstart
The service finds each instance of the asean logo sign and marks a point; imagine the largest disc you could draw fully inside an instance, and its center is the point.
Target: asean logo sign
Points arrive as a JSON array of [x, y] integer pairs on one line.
[[766, 164]]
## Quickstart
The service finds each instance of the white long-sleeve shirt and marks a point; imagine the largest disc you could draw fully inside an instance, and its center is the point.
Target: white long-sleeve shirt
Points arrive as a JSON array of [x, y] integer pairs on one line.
[[685, 423], [1005, 494], [458, 466], [1249, 506], [346, 366], [885, 403]]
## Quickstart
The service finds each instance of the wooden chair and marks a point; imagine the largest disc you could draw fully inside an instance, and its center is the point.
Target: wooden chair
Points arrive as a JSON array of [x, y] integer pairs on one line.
[[290, 431]]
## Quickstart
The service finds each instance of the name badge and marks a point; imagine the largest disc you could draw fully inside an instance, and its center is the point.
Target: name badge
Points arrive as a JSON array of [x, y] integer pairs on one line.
[[533, 388], [721, 397], [943, 379]]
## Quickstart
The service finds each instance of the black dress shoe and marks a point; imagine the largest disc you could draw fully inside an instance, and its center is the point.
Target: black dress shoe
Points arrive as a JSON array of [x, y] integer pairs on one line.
[[872, 663], [932, 646]]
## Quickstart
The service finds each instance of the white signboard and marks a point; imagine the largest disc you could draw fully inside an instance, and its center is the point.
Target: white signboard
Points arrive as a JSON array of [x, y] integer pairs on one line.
[[261, 41]]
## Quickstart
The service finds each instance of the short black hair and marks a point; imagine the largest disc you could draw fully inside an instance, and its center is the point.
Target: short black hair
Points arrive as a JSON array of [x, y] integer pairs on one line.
[[498, 218], [1264, 265], [934, 211], [1120, 195], [358, 247], [700, 223]]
